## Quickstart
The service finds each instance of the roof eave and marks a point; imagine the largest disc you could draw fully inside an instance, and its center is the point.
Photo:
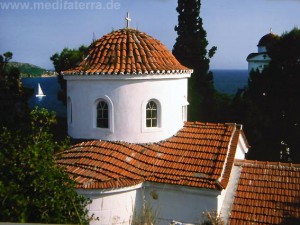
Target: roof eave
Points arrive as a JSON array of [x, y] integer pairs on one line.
[[144, 76]]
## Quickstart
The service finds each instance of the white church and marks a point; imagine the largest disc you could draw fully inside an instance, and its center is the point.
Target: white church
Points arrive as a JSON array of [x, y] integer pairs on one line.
[[260, 59], [128, 101]]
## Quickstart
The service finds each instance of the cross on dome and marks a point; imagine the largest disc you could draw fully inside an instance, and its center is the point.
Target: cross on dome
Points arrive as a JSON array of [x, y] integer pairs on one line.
[[128, 19]]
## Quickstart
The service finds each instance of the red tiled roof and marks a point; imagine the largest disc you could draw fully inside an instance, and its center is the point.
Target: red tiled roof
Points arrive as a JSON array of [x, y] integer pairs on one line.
[[128, 51], [267, 193], [199, 155]]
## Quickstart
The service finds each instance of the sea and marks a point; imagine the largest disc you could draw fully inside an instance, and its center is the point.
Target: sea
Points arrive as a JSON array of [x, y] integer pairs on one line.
[[225, 81]]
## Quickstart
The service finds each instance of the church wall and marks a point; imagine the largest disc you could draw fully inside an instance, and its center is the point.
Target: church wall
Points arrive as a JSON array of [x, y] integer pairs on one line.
[[258, 62], [113, 207], [261, 49], [241, 149], [180, 203], [168, 202], [127, 100], [254, 65]]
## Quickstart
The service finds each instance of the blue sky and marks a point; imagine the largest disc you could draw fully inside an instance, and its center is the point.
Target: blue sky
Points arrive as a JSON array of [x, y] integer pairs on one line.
[[42, 27]]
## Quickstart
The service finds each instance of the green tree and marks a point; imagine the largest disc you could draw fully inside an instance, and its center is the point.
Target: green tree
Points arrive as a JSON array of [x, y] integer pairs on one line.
[[32, 187], [13, 97], [67, 59], [190, 50], [270, 106]]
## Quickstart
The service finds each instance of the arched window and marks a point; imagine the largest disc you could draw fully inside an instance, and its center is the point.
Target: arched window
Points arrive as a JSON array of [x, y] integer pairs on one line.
[[102, 114], [151, 114]]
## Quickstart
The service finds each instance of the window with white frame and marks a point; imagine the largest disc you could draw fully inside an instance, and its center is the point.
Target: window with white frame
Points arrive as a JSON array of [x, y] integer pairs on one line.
[[102, 114], [151, 114]]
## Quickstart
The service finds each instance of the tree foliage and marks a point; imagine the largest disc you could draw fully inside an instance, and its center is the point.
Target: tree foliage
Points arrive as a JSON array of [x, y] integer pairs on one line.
[[13, 97], [67, 59], [190, 50], [32, 187], [270, 106]]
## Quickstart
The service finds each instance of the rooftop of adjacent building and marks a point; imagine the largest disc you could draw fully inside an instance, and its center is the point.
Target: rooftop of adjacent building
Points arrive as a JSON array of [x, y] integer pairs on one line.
[[267, 193]]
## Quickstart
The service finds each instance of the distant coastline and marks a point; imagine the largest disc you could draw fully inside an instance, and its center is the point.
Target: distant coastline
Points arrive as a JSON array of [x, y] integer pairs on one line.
[[49, 75], [30, 70]]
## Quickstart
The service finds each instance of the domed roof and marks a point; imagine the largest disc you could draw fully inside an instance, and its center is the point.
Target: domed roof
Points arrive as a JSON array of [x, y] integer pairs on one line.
[[128, 51], [267, 39]]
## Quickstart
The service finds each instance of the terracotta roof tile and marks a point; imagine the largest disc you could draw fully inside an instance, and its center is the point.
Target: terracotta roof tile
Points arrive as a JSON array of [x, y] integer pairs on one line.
[[127, 51], [267, 193], [198, 156]]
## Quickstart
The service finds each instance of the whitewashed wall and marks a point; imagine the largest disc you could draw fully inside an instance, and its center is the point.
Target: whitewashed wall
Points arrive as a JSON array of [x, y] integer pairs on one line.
[[180, 203], [242, 148], [113, 207], [171, 202], [258, 62], [127, 97], [261, 49]]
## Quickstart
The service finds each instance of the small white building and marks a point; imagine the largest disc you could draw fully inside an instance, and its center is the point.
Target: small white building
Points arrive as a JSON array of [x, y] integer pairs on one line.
[[129, 96], [258, 61]]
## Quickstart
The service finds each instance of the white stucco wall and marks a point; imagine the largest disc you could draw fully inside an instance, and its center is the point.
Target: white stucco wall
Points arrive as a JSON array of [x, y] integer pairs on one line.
[[241, 149], [261, 49], [127, 97], [258, 62], [113, 207], [172, 202], [180, 203]]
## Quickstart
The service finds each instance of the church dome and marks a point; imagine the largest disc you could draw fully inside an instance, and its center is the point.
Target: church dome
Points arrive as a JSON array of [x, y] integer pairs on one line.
[[267, 39], [128, 51]]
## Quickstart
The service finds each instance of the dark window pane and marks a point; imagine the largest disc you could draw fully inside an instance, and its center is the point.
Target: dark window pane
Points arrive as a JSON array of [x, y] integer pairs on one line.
[[154, 114], [148, 122], [154, 123], [148, 114]]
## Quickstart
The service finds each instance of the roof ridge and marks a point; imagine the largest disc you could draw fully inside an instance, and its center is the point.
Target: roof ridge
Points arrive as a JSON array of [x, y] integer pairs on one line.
[[229, 161], [240, 162]]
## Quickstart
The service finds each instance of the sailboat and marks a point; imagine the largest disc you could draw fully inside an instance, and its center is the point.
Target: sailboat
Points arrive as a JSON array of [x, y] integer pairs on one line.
[[40, 91]]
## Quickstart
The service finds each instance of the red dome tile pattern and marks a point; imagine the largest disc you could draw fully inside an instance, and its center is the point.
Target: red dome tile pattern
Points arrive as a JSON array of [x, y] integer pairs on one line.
[[267, 193], [199, 155], [128, 51]]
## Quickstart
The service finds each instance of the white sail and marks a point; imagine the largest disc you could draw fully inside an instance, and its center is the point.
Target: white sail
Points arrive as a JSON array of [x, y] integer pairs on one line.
[[40, 91]]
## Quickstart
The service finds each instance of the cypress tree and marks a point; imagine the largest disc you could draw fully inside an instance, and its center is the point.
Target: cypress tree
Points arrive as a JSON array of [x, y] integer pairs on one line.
[[190, 50]]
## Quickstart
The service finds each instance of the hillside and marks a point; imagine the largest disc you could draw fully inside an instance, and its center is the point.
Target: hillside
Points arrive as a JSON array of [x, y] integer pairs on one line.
[[28, 70]]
